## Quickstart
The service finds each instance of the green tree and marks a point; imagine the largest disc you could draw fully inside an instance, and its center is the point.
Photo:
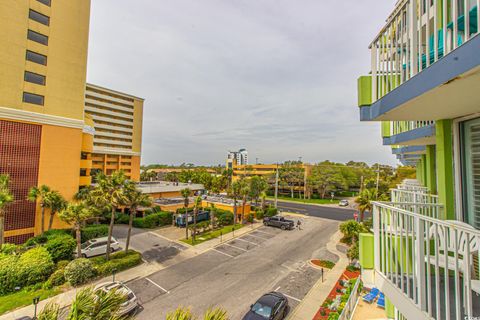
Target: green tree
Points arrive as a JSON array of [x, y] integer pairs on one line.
[[186, 200], [147, 175], [76, 214], [89, 305], [258, 185], [325, 177], [134, 199], [110, 193], [6, 198], [291, 174], [197, 203], [41, 194], [244, 193], [186, 314], [365, 198], [234, 192], [56, 203]]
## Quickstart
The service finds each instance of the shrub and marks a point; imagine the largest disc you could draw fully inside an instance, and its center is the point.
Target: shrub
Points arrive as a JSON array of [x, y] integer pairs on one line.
[[353, 252], [94, 231], [40, 239], [352, 268], [164, 218], [250, 218], [35, 265], [224, 218], [150, 221], [270, 212], [57, 278], [79, 271], [9, 276], [9, 248], [62, 264], [118, 261], [122, 218], [60, 247], [350, 230], [259, 214], [333, 316]]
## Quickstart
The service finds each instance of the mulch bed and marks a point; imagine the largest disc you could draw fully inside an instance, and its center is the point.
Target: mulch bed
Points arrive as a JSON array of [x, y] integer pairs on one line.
[[346, 275]]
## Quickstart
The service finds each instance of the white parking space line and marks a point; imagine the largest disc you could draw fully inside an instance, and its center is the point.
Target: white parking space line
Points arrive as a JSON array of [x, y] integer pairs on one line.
[[272, 234], [157, 285], [277, 289], [293, 298], [231, 245], [252, 235], [255, 244], [223, 253]]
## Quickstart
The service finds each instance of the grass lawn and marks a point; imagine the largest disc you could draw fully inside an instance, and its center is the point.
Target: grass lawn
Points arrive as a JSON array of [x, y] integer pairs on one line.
[[24, 298], [316, 201], [212, 234]]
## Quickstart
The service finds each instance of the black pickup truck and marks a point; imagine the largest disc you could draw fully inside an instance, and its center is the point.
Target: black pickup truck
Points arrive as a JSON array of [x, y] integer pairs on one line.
[[279, 222]]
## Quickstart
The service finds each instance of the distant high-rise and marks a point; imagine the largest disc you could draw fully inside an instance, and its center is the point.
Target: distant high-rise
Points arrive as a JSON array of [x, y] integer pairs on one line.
[[239, 157]]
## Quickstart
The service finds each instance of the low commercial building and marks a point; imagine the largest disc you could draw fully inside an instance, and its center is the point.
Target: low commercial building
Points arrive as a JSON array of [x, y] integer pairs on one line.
[[168, 190]]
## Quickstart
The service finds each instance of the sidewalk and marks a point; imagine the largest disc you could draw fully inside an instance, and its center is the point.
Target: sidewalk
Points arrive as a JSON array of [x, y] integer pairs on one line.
[[309, 306], [143, 270]]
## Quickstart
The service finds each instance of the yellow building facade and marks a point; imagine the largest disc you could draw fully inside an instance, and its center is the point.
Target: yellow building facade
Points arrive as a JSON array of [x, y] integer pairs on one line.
[[43, 56], [118, 122], [47, 132]]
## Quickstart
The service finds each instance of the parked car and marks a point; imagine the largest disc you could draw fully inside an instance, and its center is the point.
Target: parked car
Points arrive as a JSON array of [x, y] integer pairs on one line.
[[343, 203], [279, 222], [131, 302], [98, 246], [272, 306]]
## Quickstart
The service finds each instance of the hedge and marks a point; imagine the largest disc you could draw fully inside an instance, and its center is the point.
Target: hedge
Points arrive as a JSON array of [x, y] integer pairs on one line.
[[122, 218], [94, 231], [153, 220], [61, 247], [119, 261], [224, 218], [80, 271]]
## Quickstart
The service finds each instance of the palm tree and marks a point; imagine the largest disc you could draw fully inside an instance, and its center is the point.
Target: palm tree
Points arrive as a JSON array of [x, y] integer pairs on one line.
[[56, 203], [6, 197], [135, 199], [88, 305], [186, 194], [244, 193], [76, 214], [42, 194], [109, 193], [198, 203], [365, 198], [234, 192], [186, 314]]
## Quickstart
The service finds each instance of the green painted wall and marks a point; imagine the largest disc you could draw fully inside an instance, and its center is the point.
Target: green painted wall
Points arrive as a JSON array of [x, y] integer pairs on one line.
[[364, 91], [389, 309], [366, 258], [386, 129], [444, 161], [431, 175]]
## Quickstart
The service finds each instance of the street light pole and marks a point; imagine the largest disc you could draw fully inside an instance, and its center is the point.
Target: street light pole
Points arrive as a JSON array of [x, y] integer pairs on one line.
[[276, 187], [36, 300]]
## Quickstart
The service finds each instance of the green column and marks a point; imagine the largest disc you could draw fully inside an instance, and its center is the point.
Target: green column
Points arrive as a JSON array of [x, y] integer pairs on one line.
[[444, 157], [431, 177], [389, 309], [366, 247]]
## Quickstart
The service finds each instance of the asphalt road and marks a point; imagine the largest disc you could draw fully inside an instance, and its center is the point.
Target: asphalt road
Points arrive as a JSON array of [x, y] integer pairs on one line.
[[235, 274], [152, 247], [326, 212]]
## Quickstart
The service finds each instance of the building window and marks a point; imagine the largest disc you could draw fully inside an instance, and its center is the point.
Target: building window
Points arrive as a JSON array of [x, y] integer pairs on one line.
[[36, 57], [37, 37], [33, 98], [46, 2], [35, 78], [84, 156], [83, 172], [37, 16]]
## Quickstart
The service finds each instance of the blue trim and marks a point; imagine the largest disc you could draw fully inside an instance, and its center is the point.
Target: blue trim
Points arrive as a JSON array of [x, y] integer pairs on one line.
[[461, 60], [409, 149], [409, 156], [404, 137]]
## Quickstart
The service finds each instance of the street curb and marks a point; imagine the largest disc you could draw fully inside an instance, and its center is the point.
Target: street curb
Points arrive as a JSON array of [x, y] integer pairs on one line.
[[315, 204]]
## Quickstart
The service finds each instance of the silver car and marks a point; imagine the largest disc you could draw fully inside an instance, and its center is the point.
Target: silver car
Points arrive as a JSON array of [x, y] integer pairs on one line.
[[343, 203], [98, 246], [131, 299]]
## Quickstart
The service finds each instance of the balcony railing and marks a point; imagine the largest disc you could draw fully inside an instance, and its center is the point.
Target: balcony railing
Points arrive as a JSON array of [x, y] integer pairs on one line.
[[411, 195], [427, 267], [417, 34], [398, 127]]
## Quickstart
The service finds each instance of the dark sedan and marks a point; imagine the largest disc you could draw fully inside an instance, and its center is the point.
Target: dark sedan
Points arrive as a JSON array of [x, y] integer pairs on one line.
[[271, 306]]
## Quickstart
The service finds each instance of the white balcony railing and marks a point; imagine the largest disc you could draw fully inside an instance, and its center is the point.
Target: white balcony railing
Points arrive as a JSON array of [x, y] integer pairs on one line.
[[427, 267], [411, 195], [398, 127], [417, 34]]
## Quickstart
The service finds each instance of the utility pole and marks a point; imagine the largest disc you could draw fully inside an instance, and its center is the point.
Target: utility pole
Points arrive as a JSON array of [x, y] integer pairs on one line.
[[276, 187], [378, 177], [304, 182], [256, 160], [361, 184]]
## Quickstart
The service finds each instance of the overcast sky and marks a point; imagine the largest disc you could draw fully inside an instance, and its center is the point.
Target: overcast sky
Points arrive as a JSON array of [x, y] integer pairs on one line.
[[277, 77]]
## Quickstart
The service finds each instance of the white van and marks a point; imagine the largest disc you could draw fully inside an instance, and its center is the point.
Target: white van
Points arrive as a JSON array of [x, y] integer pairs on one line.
[[98, 246]]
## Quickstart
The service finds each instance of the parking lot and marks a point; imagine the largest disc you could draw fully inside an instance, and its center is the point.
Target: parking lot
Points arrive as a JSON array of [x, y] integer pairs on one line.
[[237, 272]]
